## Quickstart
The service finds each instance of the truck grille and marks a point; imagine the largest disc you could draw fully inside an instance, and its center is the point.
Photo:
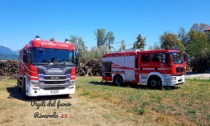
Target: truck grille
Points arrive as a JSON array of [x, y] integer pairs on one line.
[[179, 69], [54, 82], [54, 88], [54, 77]]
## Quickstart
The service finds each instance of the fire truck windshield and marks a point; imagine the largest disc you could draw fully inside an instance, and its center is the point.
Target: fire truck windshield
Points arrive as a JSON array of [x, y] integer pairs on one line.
[[176, 57], [55, 56]]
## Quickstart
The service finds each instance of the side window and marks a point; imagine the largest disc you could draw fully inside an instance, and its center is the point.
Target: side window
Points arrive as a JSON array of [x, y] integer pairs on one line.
[[71, 57], [30, 54], [160, 57], [156, 57], [145, 58], [25, 56], [166, 57]]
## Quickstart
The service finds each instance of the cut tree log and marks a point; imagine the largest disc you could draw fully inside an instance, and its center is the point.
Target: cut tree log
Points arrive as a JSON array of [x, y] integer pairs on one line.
[[8, 67], [91, 68]]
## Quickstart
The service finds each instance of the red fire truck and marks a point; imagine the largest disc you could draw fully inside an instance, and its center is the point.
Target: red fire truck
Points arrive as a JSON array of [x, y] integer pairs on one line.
[[154, 68], [47, 68]]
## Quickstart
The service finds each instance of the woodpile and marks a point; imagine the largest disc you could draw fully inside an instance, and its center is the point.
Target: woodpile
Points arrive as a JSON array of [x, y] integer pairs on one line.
[[91, 68], [200, 64], [8, 67]]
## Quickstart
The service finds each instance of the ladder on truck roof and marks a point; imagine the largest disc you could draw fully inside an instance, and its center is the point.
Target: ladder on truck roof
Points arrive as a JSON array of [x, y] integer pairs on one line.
[[128, 50]]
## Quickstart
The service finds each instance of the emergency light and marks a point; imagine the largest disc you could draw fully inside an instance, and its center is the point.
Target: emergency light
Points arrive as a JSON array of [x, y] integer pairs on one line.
[[67, 41], [37, 38]]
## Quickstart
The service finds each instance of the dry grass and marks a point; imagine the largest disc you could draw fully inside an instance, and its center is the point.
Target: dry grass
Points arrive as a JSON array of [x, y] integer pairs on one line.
[[99, 105]]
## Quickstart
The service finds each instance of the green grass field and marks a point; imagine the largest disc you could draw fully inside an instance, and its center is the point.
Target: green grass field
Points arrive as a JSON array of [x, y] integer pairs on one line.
[[186, 104], [98, 104]]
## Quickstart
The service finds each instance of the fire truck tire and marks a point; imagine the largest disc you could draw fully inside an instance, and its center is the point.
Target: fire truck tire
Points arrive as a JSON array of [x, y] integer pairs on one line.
[[154, 82], [118, 80], [18, 84], [193, 70], [66, 96], [200, 70], [24, 90]]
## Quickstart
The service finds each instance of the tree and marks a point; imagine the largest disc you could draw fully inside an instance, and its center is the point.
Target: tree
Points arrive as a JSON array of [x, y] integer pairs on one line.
[[207, 33], [170, 40], [123, 46], [100, 37], [98, 52], [198, 44], [140, 43], [155, 46], [78, 41], [199, 27], [110, 39], [184, 37], [82, 48]]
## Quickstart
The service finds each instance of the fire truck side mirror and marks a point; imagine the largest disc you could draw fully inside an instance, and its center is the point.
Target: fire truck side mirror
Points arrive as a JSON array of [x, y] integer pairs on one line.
[[162, 58], [76, 58], [41, 49], [77, 61], [25, 56], [186, 58]]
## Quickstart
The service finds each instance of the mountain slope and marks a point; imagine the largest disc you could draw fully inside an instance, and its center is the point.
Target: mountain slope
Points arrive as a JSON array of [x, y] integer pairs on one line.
[[7, 54], [8, 57], [6, 50]]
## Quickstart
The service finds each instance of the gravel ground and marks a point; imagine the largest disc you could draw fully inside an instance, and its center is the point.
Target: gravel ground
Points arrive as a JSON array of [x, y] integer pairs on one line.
[[192, 75]]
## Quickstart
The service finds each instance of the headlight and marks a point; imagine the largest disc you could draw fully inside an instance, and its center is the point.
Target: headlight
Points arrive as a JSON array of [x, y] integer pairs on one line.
[[173, 78], [67, 75], [72, 82], [34, 83], [41, 76]]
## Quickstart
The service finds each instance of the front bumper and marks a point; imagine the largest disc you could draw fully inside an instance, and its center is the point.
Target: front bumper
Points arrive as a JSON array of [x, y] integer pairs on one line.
[[37, 91], [173, 80]]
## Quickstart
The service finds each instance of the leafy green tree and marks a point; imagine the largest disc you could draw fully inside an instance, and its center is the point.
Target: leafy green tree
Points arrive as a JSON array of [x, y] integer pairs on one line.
[[198, 44], [199, 27], [110, 39], [155, 46], [123, 46], [78, 42], [98, 52], [140, 43], [184, 37], [82, 48], [207, 33], [100, 37], [170, 40]]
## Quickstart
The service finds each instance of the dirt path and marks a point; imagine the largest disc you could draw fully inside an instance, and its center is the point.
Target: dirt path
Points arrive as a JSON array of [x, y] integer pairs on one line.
[[191, 75], [15, 110]]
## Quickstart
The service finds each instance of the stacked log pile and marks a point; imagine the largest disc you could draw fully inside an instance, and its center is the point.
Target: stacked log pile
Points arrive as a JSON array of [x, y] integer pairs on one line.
[[200, 64], [8, 67], [91, 68]]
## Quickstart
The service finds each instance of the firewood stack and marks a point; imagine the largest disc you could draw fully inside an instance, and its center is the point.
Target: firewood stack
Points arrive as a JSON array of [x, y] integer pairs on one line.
[[91, 68], [8, 67]]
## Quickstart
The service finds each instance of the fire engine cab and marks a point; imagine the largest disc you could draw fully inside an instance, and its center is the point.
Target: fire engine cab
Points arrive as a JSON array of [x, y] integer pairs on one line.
[[154, 68], [47, 68]]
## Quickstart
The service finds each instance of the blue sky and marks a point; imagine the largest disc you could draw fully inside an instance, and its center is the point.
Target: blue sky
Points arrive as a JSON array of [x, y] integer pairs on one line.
[[21, 20]]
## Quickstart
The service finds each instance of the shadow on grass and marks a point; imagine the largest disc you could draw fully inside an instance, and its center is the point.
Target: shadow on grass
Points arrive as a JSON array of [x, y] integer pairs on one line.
[[16, 93], [132, 85]]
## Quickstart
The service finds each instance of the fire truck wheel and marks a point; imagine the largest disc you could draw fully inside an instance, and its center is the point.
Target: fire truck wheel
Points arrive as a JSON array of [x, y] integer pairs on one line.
[[154, 82], [18, 84], [193, 70], [118, 80], [66, 96], [24, 90]]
